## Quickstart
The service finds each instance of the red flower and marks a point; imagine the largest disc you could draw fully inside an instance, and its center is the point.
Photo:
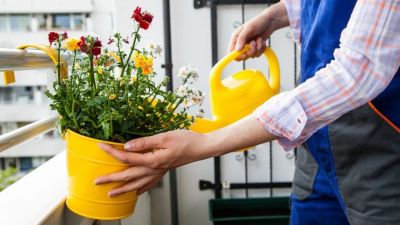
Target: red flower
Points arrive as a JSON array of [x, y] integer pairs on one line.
[[82, 44], [144, 25], [126, 40], [53, 36], [110, 41], [147, 17], [97, 43], [144, 19], [96, 47], [96, 51], [138, 11], [64, 36]]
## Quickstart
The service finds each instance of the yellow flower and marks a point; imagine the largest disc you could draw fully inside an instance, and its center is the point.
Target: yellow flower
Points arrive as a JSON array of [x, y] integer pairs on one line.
[[100, 70], [153, 101], [143, 62], [115, 56], [72, 44], [112, 97], [140, 107], [134, 78]]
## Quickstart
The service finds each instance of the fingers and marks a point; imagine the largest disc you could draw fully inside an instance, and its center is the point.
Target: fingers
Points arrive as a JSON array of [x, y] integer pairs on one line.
[[127, 175], [257, 48], [249, 53], [234, 38], [134, 185], [149, 186], [244, 36], [145, 143], [260, 47], [136, 159]]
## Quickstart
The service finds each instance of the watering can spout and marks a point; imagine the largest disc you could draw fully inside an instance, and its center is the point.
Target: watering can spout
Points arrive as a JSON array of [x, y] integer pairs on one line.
[[240, 94], [9, 76]]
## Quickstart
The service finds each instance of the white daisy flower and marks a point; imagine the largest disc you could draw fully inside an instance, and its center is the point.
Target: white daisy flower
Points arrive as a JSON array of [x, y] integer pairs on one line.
[[183, 90], [155, 49], [187, 72]]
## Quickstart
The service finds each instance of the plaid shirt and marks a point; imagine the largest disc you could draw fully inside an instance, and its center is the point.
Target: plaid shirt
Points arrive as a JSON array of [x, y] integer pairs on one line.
[[363, 66]]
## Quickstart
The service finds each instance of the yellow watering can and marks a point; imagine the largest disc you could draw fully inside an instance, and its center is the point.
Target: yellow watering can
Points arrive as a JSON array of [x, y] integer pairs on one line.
[[240, 94]]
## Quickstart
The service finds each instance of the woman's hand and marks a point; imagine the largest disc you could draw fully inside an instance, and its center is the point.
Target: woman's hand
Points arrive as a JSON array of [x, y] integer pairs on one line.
[[168, 150], [257, 31]]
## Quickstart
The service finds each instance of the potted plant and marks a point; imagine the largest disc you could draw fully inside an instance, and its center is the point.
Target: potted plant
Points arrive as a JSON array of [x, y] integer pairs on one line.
[[110, 96]]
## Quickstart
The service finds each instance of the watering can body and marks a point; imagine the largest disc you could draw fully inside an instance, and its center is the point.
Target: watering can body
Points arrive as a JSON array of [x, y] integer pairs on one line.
[[238, 95]]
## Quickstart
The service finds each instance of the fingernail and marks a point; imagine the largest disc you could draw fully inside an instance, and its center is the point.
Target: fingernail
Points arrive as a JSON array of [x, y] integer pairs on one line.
[[111, 194], [101, 145], [128, 145]]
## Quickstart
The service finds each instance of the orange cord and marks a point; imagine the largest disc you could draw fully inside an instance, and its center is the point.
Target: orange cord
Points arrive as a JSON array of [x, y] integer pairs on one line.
[[387, 120]]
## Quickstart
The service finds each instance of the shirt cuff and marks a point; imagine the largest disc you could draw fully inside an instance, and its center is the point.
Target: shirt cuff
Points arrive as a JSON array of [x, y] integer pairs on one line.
[[293, 10], [284, 117]]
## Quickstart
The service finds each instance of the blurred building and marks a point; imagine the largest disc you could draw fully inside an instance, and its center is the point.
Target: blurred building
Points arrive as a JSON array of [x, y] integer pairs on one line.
[[23, 102]]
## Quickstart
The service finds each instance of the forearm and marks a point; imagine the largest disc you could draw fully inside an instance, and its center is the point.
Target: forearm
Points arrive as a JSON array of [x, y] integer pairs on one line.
[[244, 133], [276, 15]]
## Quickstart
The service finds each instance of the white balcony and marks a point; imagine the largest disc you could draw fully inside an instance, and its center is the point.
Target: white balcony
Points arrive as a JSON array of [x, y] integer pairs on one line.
[[39, 198]]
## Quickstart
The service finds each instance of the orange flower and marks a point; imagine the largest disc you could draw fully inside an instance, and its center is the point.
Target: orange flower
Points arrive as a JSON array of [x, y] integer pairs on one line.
[[143, 62]]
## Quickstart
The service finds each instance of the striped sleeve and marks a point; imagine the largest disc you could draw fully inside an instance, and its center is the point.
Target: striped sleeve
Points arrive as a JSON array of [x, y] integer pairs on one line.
[[363, 66]]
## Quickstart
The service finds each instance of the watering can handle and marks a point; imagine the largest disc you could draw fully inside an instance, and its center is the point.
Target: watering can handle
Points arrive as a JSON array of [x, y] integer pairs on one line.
[[9, 78], [274, 82]]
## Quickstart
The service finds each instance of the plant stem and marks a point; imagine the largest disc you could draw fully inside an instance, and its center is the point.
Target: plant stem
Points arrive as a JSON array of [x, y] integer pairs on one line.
[[73, 63], [59, 61], [132, 49], [119, 51], [74, 116], [92, 81], [154, 94]]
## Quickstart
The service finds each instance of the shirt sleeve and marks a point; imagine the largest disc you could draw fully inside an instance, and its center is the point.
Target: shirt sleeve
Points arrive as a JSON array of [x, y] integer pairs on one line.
[[293, 11], [363, 66]]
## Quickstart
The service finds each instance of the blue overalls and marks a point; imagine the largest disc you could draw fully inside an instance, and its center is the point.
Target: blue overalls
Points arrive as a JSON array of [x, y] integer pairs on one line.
[[347, 172]]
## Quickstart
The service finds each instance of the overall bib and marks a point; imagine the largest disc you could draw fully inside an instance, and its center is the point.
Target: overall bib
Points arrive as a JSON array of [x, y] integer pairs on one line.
[[347, 172]]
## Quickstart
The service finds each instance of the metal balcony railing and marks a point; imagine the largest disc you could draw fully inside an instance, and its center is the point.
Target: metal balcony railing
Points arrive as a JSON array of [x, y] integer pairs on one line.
[[39, 197], [14, 59]]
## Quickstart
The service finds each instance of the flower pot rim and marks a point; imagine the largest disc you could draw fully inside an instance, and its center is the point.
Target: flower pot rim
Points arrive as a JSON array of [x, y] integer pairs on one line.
[[94, 139]]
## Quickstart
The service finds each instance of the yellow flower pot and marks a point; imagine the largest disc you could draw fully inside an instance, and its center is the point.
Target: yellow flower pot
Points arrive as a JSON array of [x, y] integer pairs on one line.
[[85, 162]]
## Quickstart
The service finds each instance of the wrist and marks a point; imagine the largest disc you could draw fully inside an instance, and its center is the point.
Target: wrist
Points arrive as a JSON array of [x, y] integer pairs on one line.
[[242, 134]]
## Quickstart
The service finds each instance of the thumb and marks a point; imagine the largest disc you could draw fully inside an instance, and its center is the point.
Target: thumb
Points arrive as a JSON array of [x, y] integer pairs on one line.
[[145, 143]]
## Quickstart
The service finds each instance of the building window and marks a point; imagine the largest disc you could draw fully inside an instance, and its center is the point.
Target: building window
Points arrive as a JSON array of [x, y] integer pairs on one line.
[[77, 21], [10, 162], [3, 23], [20, 22], [25, 163], [42, 21], [38, 161], [61, 21]]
